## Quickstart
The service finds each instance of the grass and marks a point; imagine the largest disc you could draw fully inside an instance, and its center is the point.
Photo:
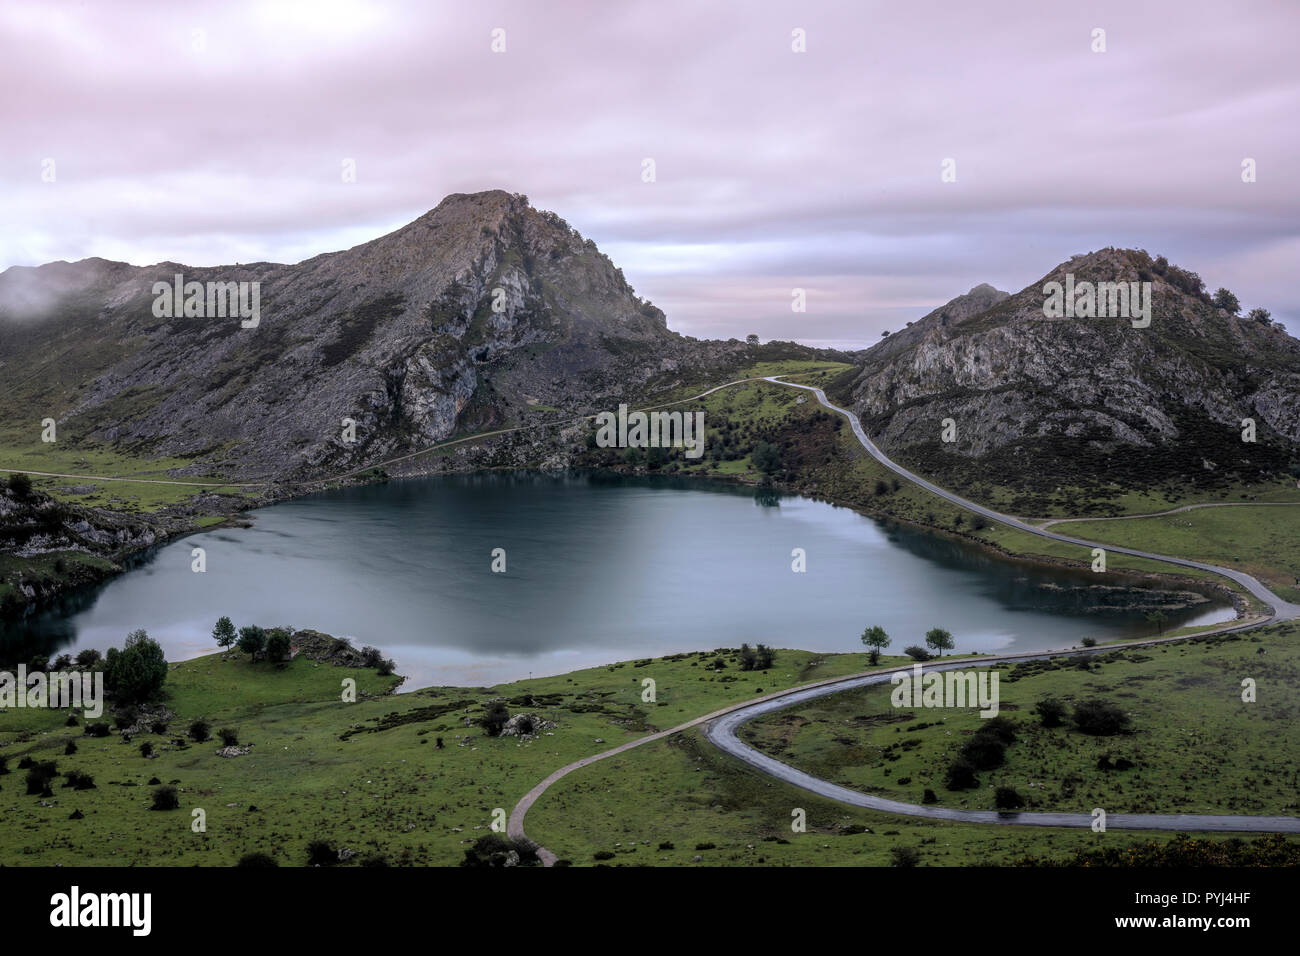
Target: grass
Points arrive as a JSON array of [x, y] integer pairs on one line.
[[1196, 746], [369, 776]]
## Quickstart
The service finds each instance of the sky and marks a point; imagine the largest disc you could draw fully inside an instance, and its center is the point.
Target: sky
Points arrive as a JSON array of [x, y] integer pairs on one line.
[[218, 133]]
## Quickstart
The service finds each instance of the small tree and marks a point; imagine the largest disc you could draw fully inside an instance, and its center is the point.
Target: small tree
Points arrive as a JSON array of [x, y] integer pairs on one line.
[[751, 339], [766, 457], [877, 640], [747, 657], [765, 657], [1100, 718], [1158, 618], [1261, 316], [938, 639], [224, 632], [278, 645], [1223, 299], [200, 730], [252, 640], [137, 673], [1051, 712], [495, 718], [20, 485], [229, 736]]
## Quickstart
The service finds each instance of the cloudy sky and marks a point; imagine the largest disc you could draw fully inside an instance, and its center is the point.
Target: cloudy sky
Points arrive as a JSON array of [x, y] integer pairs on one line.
[[214, 133]]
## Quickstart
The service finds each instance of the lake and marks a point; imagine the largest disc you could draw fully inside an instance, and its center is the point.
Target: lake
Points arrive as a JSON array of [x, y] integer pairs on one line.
[[598, 569]]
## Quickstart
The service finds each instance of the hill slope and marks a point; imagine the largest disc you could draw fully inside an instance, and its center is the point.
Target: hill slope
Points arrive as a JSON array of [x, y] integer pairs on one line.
[[1085, 405]]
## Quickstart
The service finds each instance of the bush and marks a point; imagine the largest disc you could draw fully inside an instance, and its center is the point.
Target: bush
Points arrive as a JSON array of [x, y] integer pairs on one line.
[[257, 859], [165, 798], [71, 721], [39, 777], [321, 853], [146, 749], [960, 775], [495, 718], [929, 796], [984, 751], [386, 667], [904, 855], [78, 780], [278, 645], [373, 860], [98, 729], [1089, 642], [1001, 728], [229, 736], [1051, 712], [200, 731], [1100, 718], [494, 849], [1006, 798], [70, 748], [4, 765], [602, 855], [917, 653], [20, 485], [371, 657]]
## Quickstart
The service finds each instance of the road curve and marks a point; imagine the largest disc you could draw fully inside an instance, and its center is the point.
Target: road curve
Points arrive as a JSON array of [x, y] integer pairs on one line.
[[722, 734]]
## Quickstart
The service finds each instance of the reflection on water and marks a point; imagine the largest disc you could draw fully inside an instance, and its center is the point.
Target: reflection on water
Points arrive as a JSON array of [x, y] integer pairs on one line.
[[598, 568]]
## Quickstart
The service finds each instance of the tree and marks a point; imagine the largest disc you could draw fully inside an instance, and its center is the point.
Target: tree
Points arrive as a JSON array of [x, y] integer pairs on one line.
[[747, 657], [136, 673], [495, 718], [766, 457], [1050, 711], [1100, 718], [1260, 315], [224, 632], [1158, 618], [1223, 299], [938, 639], [252, 640], [765, 657], [751, 338], [278, 644], [876, 639]]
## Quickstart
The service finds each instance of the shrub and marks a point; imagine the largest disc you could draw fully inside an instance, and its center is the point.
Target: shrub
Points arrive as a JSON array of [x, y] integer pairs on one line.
[[960, 775], [39, 777], [257, 859], [666, 845], [4, 765], [278, 645], [929, 796], [494, 849], [78, 780], [146, 749], [917, 653], [704, 846], [71, 721], [1006, 798], [165, 798], [602, 855], [229, 736], [70, 748], [321, 853], [200, 731], [371, 657], [984, 751], [1089, 642], [904, 855], [1100, 718], [495, 718], [1001, 728], [1051, 712], [98, 729], [386, 667]]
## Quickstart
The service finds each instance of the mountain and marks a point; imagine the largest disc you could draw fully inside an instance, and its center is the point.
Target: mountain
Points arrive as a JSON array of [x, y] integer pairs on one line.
[[1082, 406], [456, 322]]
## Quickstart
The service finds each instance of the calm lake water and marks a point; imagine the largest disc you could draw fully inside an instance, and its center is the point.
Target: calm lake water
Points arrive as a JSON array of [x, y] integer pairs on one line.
[[597, 570]]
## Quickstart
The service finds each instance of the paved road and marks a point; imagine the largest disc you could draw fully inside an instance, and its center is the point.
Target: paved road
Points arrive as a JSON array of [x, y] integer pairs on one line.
[[723, 723]]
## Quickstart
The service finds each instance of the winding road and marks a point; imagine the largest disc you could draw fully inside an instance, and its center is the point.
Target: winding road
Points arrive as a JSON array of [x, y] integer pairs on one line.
[[722, 724]]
